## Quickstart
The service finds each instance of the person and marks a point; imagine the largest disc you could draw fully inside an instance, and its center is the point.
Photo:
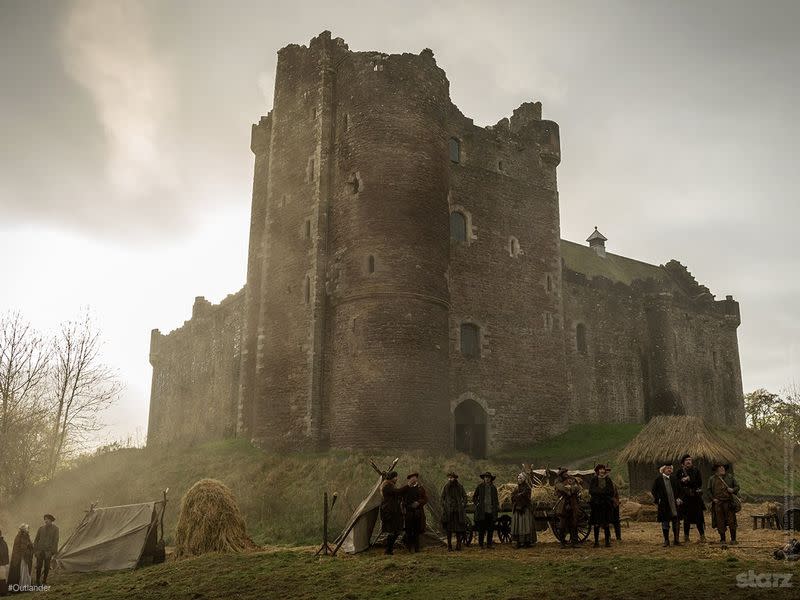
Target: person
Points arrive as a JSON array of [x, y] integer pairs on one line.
[[722, 487], [3, 566], [454, 516], [568, 491], [615, 519], [601, 491], [19, 569], [414, 501], [665, 495], [523, 528], [45, 545], [391, 510], [487, 505], [690, 491]]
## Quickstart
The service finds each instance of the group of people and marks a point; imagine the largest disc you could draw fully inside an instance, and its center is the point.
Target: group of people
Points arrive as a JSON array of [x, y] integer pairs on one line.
[[16, 567], [678, 495]]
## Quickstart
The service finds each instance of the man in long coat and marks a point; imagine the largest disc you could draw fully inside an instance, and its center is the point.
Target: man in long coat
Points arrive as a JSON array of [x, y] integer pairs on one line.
[[3, 566], [722, 486], [690, 491], [414, 501], [665, 494], [568, 491], [391, 509], [21, 563], [487, 505], [454, 516], [601, 491], [45, 545]]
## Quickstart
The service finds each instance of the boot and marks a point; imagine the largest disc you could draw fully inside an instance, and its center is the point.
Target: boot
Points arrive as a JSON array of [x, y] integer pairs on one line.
[[449, 542], [607, 533], [666, 537], [685, 538], [596, 536], [618, 531], [733, 537], [573, 538], [675, 535], [702, 539]]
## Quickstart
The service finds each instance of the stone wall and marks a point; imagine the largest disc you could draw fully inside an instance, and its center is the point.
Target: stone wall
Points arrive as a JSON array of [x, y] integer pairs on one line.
[[196, 375]]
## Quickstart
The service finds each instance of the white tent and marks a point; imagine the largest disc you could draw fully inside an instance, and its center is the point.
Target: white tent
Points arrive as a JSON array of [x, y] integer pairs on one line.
[[112, 538]]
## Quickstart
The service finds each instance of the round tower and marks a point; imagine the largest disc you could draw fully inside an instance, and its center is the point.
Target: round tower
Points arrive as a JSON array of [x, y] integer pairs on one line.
[[387, 349]]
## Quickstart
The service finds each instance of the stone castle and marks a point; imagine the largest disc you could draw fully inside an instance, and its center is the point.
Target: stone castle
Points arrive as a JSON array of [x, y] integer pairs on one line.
[[407, 286]]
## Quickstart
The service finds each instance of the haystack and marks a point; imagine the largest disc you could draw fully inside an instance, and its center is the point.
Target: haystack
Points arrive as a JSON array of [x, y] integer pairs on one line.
[[666, 439], [210, 521]]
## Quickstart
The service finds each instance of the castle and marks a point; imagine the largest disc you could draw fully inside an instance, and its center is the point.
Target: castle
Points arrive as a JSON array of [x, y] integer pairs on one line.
[[408, 287]]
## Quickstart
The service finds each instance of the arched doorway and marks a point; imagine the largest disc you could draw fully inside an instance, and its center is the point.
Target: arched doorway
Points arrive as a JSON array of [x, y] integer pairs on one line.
[[470, 429]]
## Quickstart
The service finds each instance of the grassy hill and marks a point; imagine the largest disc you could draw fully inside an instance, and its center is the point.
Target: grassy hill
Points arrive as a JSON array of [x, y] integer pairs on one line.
[[281, 496]]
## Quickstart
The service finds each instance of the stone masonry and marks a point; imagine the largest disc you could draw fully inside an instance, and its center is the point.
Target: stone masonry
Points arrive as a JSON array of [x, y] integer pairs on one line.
[[407, 286]]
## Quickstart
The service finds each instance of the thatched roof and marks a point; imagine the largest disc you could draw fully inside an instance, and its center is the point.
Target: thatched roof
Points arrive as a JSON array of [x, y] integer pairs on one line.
[[670, 437]]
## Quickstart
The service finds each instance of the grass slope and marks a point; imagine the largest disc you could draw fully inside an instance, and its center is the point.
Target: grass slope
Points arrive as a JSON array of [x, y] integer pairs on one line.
[[551, 574], [281, 496]]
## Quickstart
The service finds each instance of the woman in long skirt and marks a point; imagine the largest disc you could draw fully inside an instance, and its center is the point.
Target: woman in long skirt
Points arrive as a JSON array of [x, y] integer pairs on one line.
[[523, 529], [19, 572]]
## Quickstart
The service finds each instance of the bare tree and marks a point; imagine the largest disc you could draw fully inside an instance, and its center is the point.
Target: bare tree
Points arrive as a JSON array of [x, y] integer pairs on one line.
[[82, 387], [23, 371]]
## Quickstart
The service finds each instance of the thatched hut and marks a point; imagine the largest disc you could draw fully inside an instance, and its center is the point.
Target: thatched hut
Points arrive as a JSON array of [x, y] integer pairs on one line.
[[666, 439]]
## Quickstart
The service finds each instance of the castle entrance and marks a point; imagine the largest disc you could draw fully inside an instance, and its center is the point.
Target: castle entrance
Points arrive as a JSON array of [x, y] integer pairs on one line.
[[470, 429]]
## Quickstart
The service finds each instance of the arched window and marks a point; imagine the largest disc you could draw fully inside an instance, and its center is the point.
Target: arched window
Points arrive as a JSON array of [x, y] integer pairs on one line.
[[470, 340], [458, 226], [308, 228], [370, 264], [455, 150], [580, 338], [549, 283], [307, 289], [513, 247]]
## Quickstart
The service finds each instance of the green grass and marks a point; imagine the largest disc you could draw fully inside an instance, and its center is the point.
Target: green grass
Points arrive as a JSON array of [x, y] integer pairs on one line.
[[549, 574], [281, 496]]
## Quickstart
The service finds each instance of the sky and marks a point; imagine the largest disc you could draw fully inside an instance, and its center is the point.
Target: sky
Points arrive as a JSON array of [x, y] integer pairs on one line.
[[126, 173]]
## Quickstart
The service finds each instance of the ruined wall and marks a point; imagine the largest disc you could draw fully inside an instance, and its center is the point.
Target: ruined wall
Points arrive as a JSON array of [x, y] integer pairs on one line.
[[651, 349], [506, 277], [196, 375]]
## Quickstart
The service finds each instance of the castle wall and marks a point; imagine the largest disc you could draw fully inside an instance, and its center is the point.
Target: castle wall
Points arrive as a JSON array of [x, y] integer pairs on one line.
[[196, 375], [386, 367], [505, 184]]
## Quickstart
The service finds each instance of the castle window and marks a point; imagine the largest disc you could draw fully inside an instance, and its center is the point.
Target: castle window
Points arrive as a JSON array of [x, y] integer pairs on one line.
[[313, 112], [370, 264], [548, 321], [549, 284], [346, 121], [580, 338], [307, 289], [455, 150], [513, 247], [311, 174], [308, 228], [500, 166], [458, 226], [354, 183], [470, 340]]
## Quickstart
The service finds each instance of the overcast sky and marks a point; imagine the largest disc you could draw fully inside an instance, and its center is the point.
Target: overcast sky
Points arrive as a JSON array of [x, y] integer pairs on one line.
[[126, 174]]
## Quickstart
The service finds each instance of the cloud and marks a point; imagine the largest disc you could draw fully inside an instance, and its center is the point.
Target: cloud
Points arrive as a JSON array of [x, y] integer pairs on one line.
[[108, 50]]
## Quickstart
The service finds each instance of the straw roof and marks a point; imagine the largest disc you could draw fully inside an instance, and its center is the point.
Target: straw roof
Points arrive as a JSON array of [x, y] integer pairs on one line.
[[670, 437]]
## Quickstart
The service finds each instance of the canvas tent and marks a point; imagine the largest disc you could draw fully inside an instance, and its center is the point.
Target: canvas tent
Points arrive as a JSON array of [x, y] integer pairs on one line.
[[667, 439], [112, 538], [363, 527]]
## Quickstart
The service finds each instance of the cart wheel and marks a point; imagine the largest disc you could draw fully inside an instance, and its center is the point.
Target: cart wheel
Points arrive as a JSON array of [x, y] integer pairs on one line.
[[503, 528], [583, 525], [554, 525]]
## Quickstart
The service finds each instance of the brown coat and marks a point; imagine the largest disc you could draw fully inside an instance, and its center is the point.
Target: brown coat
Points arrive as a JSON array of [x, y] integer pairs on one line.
[[568, 492], [22, 549]]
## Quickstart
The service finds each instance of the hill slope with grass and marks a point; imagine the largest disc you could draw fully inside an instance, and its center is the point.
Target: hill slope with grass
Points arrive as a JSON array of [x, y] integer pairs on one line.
[[281, 496]]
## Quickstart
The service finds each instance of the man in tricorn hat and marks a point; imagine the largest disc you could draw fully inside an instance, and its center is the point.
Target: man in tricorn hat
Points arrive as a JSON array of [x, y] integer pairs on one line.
[[568, 491], [45, 545], [724, 489], [690, 491], [414, 500], [454, 517], [391, 509], [486, 507]]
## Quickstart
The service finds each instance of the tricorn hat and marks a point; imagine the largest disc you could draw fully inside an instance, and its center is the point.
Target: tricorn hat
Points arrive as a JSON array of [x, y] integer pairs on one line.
[[684, 457], [488, 474], [410, 475], [49, 517], [453, 474], [599, 466]]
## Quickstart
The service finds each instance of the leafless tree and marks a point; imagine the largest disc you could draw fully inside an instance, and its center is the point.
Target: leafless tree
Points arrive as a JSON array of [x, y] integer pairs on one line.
[[23, 370], [82, 388]]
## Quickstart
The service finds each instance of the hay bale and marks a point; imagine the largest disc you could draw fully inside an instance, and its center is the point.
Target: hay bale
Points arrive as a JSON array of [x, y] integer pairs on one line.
[[630, 510], [210, 521], [544, 493]]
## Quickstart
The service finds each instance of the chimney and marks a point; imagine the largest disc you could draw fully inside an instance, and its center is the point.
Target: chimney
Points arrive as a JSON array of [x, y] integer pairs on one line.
[[597, 241]]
